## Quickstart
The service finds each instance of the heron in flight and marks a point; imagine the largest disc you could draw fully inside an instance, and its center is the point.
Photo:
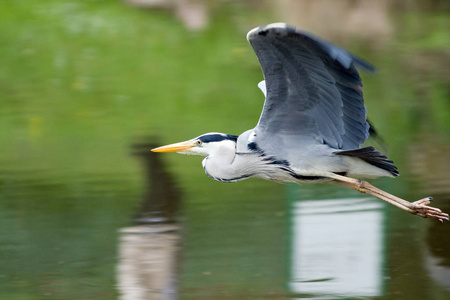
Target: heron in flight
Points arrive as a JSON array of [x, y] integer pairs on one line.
[[312, 124]]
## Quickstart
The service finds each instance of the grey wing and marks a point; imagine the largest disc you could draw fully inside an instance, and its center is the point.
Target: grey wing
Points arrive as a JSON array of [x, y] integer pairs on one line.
[[313, 89]]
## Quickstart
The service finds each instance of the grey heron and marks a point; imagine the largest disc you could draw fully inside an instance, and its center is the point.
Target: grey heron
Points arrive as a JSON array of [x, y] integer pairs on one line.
[[312, 125]]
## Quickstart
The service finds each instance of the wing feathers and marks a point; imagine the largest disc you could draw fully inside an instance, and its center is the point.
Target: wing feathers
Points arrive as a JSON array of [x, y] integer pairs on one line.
[[305, 74]]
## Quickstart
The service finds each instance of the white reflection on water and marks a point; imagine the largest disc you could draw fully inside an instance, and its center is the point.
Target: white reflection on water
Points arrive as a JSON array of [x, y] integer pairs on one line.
[[437, 271], [148, 262], [337, 247]]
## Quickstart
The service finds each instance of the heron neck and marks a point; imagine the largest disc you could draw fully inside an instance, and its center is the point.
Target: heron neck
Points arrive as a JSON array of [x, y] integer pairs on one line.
[[223, 166]]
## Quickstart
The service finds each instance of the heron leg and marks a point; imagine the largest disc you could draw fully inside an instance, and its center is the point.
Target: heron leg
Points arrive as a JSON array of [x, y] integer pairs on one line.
[[419, 207]]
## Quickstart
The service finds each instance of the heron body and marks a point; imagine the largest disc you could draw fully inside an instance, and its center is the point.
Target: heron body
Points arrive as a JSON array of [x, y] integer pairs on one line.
[[232, 158], [312, 125]]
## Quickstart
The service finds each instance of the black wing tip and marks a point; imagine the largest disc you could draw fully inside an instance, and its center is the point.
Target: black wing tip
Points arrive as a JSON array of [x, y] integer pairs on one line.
[[338, 53], [361, 63]]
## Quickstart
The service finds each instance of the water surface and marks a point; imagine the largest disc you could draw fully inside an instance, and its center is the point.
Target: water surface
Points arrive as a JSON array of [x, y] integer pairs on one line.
[[86, 212]]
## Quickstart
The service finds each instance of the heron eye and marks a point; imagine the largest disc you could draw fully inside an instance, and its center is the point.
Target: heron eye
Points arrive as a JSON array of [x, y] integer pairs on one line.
[[199, 143]]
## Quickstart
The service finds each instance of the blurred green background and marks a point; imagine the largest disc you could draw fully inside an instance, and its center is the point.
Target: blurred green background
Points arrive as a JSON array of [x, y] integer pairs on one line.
[[82, 81]]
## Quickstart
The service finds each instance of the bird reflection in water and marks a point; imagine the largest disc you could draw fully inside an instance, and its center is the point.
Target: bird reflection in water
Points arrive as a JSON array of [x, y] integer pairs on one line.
[[149, 250]]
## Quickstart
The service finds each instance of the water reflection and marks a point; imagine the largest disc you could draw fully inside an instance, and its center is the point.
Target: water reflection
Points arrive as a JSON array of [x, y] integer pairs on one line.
[[148, 252], [337, 247], [429, 156], [437, 250], [162, 198], [147, 262]]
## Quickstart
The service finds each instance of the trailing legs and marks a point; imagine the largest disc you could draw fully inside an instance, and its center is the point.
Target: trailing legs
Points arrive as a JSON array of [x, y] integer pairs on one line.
[[419, 207]]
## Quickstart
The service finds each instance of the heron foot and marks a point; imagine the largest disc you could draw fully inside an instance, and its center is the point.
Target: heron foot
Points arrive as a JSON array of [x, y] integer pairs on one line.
[[421, 208]]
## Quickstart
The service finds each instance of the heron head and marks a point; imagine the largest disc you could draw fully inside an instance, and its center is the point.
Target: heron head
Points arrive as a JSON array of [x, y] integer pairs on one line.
[[205, 144]]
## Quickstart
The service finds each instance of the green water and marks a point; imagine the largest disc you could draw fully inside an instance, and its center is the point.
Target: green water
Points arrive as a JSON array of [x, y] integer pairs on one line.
[[83, 81]]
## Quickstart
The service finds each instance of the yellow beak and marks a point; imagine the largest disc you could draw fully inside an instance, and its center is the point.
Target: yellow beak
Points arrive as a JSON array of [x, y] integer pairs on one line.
[[177, 147]]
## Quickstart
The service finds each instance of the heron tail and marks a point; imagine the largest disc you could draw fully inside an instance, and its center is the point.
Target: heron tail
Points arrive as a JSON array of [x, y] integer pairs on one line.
[[373, 157]]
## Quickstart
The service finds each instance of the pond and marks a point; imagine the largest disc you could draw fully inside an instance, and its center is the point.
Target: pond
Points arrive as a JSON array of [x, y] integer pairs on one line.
[[88, 212]]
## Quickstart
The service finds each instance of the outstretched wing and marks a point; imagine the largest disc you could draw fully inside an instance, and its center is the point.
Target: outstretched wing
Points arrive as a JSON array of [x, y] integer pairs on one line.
[[312, 87]]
